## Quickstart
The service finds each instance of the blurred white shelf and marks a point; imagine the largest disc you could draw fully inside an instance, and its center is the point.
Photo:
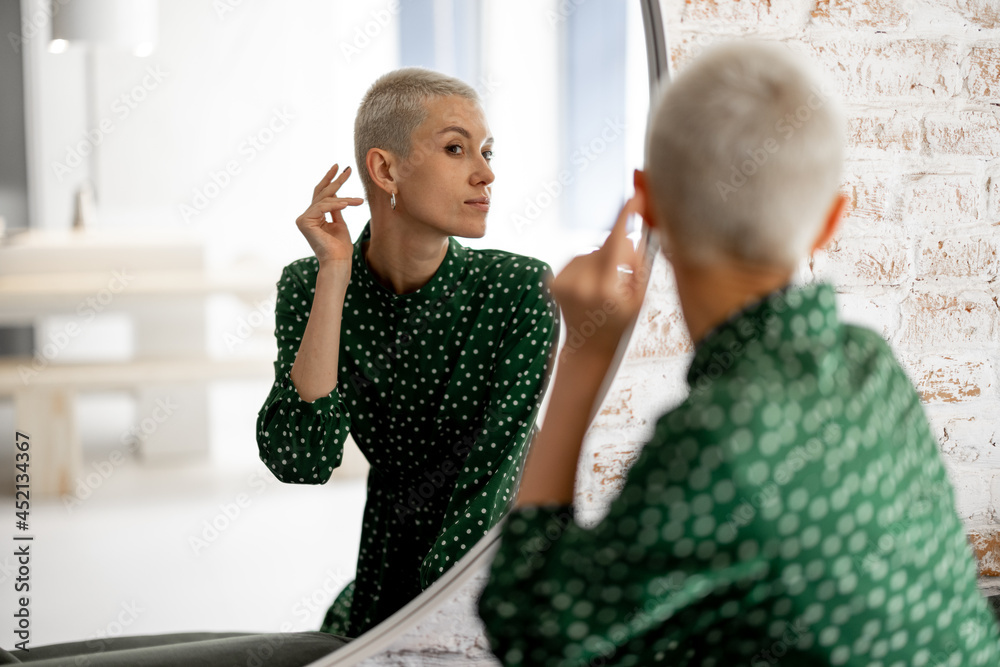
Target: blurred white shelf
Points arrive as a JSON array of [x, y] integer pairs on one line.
[[24, 297], [157, 281], [128, 374], [36, 251]]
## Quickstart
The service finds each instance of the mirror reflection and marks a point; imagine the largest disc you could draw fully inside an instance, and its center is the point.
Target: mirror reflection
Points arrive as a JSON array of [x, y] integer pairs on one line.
[[186, 171], [432, 355]]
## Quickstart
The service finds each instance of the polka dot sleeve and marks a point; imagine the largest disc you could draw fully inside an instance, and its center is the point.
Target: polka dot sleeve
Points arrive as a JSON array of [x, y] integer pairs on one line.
[[590, 591], [299, 441], [486, 484]]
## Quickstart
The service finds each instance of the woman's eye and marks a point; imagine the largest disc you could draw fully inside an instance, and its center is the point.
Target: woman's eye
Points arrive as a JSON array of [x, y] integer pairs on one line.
[[488, 155], [458, 146]]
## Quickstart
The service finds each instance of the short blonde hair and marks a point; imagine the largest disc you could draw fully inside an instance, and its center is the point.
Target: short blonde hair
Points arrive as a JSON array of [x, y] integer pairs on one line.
[[743, 156], [393, 107]]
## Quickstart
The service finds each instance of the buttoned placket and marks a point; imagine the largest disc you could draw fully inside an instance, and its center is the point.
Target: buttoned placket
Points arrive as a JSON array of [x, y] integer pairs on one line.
[[399, 309]]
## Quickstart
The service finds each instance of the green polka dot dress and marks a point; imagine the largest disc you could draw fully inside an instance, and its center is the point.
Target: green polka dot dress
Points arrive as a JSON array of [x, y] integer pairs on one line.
[[793, 510], [440, 389]]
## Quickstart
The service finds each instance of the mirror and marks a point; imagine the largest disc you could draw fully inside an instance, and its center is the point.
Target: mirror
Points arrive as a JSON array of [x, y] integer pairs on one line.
[[220, 134]]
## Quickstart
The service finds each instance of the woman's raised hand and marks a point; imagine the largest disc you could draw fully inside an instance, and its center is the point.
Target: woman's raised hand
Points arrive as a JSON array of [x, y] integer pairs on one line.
[[331, 241], [599, 300]]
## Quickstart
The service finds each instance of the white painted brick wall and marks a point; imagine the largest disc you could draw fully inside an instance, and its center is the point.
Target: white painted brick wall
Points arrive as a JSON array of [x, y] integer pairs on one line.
[[917, 256]]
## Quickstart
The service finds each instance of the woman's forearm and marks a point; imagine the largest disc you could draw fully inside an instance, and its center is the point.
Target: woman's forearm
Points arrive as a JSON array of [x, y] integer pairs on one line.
[[314, 372], [550, 469]]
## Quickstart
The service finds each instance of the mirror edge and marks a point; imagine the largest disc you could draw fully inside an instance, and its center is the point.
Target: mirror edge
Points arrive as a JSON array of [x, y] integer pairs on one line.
[[379, 638]]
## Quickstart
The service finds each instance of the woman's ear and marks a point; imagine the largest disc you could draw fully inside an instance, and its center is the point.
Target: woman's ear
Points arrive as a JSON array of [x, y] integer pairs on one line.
[[642, 194], [832, 222], [378, 162], [656, 226]]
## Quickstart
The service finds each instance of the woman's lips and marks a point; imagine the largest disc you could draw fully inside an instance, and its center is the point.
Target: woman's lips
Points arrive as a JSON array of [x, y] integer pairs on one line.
[[482, 203]]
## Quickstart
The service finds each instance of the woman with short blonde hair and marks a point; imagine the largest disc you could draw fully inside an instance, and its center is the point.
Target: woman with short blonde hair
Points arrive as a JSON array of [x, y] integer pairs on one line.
[[434, 356]]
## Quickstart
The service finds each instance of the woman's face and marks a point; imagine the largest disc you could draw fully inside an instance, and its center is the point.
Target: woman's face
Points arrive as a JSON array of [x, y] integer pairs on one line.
[[449, 165]]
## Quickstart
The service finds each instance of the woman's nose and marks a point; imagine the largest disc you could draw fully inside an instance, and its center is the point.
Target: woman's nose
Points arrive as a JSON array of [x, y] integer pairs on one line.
[[486, 173]]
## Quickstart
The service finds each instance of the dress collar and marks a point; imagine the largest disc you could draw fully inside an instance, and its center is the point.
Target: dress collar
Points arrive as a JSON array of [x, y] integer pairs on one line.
[[441, 284], [805, 315]]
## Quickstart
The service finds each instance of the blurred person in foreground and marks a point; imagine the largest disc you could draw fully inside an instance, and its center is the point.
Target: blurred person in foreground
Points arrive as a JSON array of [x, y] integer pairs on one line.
[[794, 506]]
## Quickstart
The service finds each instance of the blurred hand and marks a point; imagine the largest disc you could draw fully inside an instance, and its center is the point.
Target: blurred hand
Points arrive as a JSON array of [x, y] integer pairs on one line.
[[331, 241], [598, 300]]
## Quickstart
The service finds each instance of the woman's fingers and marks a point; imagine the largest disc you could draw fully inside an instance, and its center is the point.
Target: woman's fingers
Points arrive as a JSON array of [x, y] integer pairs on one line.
[[329, 205], [618, 246], [324, 181], [617, 231], [642, 263], [330, 183], [334, 185], [617, 265], [350, 201]]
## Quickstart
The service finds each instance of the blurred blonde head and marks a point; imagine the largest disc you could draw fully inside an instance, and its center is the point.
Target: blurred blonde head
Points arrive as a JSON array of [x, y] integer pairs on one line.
[[744, 153]]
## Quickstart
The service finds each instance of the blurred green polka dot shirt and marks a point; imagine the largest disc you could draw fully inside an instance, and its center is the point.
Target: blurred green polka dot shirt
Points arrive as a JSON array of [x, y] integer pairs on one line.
[[440, 389], [793, 510]]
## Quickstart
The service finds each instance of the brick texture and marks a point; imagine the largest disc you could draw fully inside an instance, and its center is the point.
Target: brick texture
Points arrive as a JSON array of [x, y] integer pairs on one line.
[[983, 81], [964, 132], [915, 69], [850, 15], [959, 257], [979, 13], [948, 320], [864, 261], [870, 206], [917, 253], [880, 132], [952, 379], [941, 202]]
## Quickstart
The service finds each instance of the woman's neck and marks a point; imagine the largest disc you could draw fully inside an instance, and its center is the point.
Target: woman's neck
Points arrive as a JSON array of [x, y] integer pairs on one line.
[[709, 295], [403, 255]]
